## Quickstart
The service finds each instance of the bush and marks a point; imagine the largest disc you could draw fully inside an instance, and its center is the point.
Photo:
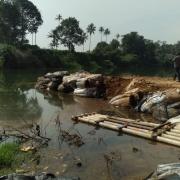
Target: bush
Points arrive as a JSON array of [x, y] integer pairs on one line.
[[11, 157]]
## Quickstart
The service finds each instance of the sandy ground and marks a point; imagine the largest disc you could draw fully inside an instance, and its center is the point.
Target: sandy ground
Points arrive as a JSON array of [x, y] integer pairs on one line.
[[116, 85]]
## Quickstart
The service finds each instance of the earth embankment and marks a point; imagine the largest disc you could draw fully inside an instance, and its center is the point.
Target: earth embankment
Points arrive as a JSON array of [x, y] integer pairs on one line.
[[116, 85]]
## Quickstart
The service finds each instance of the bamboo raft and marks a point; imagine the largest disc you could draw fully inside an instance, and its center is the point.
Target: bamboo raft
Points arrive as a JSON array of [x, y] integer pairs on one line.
[[167, 133]]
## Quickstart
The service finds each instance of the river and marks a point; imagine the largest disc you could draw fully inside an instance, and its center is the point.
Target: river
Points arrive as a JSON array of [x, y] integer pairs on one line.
[[104, 154]]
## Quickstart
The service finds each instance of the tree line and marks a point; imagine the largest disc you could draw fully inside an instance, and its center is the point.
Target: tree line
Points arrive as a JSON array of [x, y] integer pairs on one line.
[[21, 17], [17, 19]]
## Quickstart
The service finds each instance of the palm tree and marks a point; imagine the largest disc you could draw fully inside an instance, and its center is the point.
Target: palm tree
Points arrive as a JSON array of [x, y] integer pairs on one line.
[[106, 33], [90, 29], [35, 31], [58, 18], [101, 30], [117, 36], [31, 30], [84, 38], [54, 35]]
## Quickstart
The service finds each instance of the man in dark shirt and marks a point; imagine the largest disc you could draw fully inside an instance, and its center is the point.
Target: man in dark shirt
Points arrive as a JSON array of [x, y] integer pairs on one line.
[[176, 61]]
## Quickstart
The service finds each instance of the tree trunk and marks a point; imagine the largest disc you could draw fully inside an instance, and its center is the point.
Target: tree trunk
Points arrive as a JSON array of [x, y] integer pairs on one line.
[[32, 38], [90, 43], [35, 38]]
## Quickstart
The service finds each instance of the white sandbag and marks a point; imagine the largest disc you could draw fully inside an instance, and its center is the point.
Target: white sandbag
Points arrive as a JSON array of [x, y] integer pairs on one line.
[[81, 83], [123, 99], [86, 92], [82, 74], [52, 86], [168, 97], [70, 81], [49, 75], [163, 112], [95, 80], [151, 101], [61, 73], [120, 100], [166, 172]]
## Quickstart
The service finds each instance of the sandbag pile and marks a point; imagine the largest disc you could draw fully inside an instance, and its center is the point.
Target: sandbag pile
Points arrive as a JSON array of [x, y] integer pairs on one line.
[[80, 83], [162, 105], [51, 81]]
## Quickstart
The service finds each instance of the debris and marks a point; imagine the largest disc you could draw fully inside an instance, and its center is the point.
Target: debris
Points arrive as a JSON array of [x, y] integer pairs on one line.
[[25, 149]]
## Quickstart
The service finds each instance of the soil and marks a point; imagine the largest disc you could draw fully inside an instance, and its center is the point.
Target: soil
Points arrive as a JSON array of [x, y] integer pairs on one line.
[[116, 85]]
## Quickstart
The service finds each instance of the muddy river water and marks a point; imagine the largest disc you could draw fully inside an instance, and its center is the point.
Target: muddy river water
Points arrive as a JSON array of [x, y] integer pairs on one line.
[[103, 154]]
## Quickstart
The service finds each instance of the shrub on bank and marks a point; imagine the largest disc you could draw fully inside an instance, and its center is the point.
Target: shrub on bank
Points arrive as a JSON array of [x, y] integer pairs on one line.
[[11, 157]]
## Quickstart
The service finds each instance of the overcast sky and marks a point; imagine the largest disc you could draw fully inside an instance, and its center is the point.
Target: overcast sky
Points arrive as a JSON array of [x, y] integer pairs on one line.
[[153, 19]]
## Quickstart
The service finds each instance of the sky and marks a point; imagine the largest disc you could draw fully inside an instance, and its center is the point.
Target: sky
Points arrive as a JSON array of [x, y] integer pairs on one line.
[[153, 19]]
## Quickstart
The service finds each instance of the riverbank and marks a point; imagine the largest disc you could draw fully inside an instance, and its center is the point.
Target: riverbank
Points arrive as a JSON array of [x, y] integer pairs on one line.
[[116, 85]]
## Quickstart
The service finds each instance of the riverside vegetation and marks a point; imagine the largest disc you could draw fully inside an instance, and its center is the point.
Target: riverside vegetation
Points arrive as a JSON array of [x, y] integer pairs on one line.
[[19, 18]]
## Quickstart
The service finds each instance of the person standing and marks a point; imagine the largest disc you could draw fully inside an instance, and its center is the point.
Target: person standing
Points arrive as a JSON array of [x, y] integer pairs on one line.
[[176, 61]]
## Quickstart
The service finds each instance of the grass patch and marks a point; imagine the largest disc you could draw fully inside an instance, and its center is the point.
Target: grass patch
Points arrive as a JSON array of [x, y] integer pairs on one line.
[[11, 158]]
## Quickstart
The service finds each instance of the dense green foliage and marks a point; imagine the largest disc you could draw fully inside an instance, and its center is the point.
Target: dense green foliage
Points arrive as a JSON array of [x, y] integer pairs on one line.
[[19, 17]]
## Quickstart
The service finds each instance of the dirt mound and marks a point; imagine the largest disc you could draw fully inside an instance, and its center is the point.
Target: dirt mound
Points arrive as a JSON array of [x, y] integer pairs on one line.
[[116, 85]]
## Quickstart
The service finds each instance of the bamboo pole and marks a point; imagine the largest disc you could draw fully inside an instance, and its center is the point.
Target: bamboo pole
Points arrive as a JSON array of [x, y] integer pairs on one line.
[[177, 127], [175, 131], [171, 137], [135, 124], [129, 126], [133, 121], [86, 114], [142, 134], [167, 134], [172, 134], [134, 132]]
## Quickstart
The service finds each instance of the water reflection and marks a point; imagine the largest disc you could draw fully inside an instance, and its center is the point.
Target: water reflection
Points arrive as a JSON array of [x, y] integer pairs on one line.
[[57, 99], [15, 102], [132, 156]]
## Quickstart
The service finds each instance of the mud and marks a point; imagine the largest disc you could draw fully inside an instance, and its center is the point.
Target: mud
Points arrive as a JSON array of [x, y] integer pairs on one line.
[[116, 85]]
